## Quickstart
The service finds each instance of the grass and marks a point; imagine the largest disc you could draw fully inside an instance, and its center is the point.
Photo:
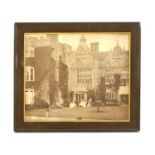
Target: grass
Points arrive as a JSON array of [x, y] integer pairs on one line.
[[105, 113]]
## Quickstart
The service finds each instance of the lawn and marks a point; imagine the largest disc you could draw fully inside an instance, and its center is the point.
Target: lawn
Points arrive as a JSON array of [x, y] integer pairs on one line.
[[79, 113]]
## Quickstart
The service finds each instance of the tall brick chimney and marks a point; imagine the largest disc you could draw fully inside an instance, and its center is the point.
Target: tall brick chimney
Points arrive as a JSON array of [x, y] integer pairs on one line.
[[52, 37], [94, 47]]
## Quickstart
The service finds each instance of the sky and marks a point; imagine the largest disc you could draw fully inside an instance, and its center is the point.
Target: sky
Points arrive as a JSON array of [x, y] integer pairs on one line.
[[106, 41]]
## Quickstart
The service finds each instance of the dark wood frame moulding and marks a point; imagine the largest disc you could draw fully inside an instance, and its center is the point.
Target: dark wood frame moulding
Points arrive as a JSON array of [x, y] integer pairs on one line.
[[21, 126]]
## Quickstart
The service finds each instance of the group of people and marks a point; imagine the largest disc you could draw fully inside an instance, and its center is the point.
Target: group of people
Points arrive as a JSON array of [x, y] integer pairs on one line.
[[83, 103]]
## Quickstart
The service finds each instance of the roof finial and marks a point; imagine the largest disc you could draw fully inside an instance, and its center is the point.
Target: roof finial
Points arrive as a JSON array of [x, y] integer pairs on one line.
[[83, 41]]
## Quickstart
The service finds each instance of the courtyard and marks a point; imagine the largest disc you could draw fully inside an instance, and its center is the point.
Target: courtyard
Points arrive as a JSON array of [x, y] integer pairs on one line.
[[106, 113]]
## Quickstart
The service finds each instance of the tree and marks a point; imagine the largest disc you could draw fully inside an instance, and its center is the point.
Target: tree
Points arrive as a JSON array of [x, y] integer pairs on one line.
[[100, 100], [102, 89], [91, 94], [63, 81], [116, 85]]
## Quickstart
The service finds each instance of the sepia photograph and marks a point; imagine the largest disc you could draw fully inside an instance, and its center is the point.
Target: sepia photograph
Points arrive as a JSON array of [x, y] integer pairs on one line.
[[80, 77], [77, 77]]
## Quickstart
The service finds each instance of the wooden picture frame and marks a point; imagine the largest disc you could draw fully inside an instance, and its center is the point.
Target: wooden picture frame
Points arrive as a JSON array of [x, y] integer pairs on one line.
[[133, 124]]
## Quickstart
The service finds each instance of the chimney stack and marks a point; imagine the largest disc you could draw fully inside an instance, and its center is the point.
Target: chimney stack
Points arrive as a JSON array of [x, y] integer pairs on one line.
[[94, 47]]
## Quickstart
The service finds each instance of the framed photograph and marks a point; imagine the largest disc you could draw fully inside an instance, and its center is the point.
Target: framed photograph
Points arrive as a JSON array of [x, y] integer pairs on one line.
[[77, 77]]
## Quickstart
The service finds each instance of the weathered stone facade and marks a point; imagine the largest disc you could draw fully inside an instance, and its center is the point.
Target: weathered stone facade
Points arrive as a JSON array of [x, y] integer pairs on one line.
[[50, 71], [77, 75], [92, 72]]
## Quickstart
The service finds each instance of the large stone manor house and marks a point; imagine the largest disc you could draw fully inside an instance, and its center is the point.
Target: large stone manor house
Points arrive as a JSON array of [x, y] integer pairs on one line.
[[54, 72]]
